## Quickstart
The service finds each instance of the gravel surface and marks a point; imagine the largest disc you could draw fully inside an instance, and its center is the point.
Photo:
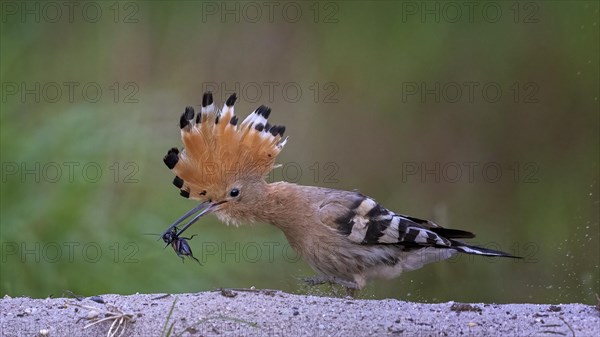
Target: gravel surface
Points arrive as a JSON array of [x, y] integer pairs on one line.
[[274, 313]]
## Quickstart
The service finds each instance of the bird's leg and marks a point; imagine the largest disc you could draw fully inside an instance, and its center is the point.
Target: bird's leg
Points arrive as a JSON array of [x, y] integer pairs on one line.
[[346, 284], [317, 280], [322, 279]]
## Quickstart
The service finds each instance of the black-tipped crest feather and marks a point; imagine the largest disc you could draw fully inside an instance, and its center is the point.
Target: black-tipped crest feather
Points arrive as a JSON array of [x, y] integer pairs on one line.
[[186, 116], [178, 182], [231, 100], [207, 99], [171, 158]]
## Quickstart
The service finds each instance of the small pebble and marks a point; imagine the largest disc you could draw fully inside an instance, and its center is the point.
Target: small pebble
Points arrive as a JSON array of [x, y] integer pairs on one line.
[[97, 299], [554, 308]]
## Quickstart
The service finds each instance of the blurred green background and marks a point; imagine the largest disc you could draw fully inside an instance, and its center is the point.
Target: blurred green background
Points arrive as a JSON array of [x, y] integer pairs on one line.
[[481, 117]]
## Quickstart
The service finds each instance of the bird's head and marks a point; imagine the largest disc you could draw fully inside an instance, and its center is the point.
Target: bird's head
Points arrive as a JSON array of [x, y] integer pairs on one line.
[[224, 163]]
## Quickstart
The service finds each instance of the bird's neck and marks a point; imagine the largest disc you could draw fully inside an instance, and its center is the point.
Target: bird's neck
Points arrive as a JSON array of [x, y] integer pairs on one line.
[[284, 203], [292, 208]]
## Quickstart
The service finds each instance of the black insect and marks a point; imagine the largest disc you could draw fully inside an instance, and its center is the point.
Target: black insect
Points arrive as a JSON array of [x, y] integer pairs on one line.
[[179, 244]]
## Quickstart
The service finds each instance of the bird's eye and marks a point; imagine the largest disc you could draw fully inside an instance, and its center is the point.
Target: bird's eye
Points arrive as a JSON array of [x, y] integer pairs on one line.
[[234, 192]]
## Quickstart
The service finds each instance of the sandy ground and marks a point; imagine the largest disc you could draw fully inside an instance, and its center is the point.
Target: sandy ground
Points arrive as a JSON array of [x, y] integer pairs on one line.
[[274, 313]]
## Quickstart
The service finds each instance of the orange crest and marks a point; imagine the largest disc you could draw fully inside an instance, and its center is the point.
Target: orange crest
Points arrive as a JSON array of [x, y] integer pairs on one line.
[[217, 151]]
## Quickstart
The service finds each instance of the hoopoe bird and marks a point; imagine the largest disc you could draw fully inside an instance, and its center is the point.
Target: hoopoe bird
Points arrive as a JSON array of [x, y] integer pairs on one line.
[[347, 237]]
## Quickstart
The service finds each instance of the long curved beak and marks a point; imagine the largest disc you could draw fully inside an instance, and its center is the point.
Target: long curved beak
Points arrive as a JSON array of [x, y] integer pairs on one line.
[[201, 209]]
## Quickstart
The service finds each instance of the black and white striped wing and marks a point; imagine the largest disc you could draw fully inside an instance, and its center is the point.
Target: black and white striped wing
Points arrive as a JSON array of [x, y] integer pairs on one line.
[[362, 220]]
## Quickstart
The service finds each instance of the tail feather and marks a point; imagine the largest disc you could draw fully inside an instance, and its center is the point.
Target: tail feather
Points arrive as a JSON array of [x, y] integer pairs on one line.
[[449, 233], [469, 249]]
